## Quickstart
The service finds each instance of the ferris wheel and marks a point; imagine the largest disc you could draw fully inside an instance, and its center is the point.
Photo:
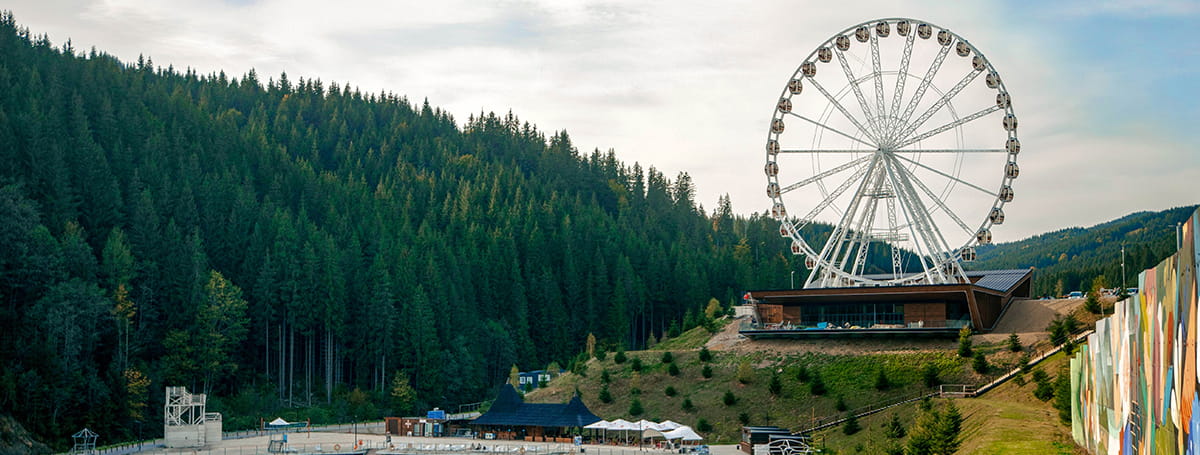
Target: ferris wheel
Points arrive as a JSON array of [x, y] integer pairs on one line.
[[907, 151]]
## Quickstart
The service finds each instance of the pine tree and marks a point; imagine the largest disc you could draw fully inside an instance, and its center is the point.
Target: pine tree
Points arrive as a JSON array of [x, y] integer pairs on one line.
[[964, 343], [1014, 342], [851, 425], [816, 385]]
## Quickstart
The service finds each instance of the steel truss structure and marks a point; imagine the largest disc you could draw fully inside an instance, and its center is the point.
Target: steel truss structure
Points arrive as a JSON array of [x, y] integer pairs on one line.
[[900, 147]]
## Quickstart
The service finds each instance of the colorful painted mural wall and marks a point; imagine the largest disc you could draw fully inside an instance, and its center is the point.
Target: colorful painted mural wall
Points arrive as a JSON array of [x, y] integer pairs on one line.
[[1135, 383]]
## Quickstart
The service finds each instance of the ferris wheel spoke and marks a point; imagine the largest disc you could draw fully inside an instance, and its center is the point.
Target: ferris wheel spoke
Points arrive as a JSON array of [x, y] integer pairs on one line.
[[943, 174], [858, 94], [842, 151], [833, 195], [940, 103], [921, 88], [935, 242], [878, 73], [841, 232], [912, 216], [901, 75], [950, 151], [825, 174], [949, 126], [835, 130], [940, 203]]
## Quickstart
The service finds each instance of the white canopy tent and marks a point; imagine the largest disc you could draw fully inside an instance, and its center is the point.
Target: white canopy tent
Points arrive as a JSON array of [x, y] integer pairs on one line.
[[685, 433], [669, 425]]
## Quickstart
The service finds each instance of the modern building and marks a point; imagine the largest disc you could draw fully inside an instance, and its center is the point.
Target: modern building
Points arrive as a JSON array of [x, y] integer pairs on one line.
[[510, 417], [931, 309]]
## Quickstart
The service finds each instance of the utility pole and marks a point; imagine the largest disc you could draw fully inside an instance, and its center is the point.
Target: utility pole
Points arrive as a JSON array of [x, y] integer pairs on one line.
[[1123, 267]]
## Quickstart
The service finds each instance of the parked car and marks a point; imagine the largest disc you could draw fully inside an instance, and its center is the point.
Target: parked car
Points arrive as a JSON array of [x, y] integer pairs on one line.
[[1075, 295]]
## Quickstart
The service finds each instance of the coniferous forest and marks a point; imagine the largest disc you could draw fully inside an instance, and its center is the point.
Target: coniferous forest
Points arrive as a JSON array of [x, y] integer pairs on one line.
[[282, 243], [304, 249]]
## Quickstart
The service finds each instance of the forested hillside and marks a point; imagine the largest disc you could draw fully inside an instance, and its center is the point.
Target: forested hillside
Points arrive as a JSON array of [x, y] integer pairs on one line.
[[282, 243], [1070, 259]]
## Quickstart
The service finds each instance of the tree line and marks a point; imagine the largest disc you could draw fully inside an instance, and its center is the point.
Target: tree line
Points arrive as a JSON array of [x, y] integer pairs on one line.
[[300, 244]]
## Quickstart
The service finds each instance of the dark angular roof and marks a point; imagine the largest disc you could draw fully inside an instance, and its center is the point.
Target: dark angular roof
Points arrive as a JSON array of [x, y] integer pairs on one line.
[[510, 410], [999, 280]]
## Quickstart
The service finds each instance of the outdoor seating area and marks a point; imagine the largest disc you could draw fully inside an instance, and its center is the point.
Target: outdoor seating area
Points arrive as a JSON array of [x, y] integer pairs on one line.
[[666, 434]]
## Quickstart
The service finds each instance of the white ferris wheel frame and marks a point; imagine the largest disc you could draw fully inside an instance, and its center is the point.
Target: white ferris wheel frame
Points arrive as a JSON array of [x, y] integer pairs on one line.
[[885, 173]]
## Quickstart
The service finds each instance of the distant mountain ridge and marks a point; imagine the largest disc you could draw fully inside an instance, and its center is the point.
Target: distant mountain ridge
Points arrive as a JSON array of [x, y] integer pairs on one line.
[[1069, 259]]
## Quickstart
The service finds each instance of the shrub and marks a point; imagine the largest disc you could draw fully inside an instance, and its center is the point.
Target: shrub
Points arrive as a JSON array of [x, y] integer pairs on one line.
[[745, 373], [635, 364], [667, 357], [605, 378], [929, 374], [634, 391], [706, 372], [1044, 389], [840, 404], [600, 354], [619, 357], [893, 429], [851, 426], [729, 399], [980, 363], [1062, 396], [705, 354], [964, 342], [605, 395], [673, 330], [881, 380], [670, 391], [775, 386], [1014, 342], [635, 408], [802, 374], [816, 385], [673, 369], [1024, 361], [1092, 303], [703, 426], [744, 418], [687, 405]]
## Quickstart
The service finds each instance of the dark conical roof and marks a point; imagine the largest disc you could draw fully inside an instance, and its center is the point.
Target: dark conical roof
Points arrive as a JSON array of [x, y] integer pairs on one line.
[[510, 410]]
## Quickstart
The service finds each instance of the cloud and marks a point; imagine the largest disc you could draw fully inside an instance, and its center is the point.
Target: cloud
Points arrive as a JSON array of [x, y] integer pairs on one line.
[[690, 86]]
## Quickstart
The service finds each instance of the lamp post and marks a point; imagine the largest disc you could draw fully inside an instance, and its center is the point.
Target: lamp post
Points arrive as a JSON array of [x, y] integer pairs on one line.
[[1123, 267], [793, 279]]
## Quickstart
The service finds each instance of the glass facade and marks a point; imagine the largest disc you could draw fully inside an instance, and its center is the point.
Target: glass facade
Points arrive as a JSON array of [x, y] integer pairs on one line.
[[853, 314]]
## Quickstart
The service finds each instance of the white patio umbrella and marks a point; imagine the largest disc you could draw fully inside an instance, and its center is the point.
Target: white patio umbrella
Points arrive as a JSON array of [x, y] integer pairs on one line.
[[601, 425], [624, 425]]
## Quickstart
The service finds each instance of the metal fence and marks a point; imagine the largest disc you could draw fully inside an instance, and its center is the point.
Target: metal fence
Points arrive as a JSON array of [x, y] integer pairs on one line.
[[160, 443]]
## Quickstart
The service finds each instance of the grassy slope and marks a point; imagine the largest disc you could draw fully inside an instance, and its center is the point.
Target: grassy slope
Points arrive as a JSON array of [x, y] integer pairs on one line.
[[1006, 420], [851, 377]]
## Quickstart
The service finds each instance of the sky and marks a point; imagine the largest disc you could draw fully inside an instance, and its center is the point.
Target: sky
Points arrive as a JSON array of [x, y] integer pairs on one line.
[[1105, 91]]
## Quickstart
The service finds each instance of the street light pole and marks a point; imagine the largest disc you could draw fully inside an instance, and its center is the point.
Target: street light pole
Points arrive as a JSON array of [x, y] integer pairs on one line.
[[1123, 266], [793, 279]]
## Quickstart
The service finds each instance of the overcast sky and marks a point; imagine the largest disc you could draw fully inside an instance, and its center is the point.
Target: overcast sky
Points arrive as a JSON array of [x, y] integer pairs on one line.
[[1106, 91]]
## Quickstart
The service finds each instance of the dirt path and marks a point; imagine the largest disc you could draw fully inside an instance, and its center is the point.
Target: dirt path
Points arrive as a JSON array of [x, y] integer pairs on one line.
[[1028, 319]]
